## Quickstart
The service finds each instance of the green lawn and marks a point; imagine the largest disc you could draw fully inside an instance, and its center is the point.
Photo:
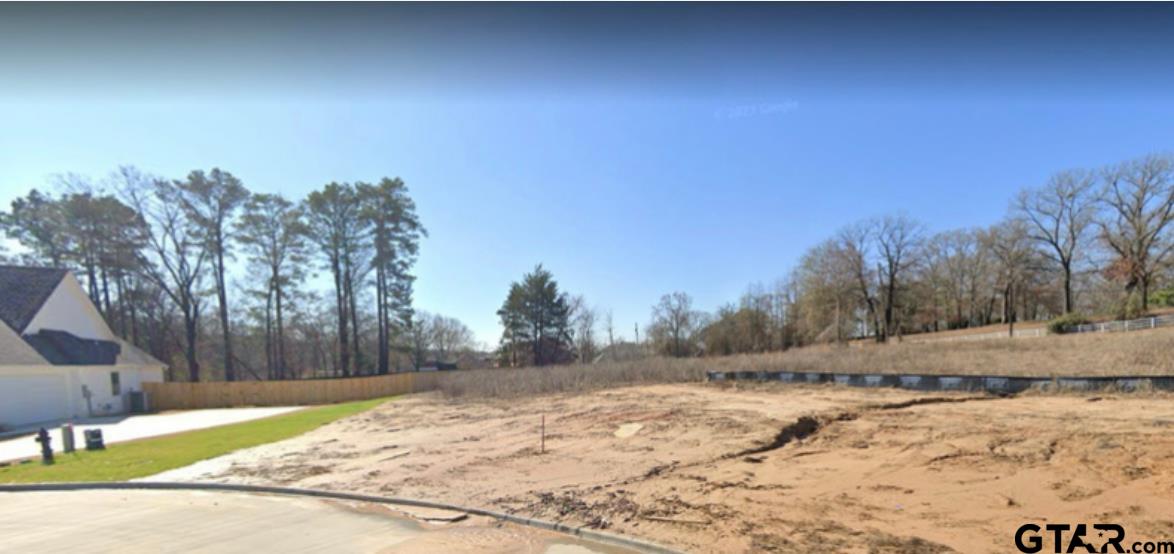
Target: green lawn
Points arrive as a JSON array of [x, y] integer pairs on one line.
[[130, 460]]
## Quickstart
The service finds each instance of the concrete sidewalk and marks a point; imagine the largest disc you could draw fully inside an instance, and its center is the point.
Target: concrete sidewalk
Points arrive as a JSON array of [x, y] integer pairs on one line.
[[158, 521], [220, 522], [125, 428]]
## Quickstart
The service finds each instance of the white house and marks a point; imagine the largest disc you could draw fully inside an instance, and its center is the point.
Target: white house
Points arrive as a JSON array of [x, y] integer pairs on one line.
[[58, 358]]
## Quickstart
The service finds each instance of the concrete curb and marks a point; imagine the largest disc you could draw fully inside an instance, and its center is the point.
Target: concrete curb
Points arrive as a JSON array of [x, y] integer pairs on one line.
[[589, 534], [997, 384]]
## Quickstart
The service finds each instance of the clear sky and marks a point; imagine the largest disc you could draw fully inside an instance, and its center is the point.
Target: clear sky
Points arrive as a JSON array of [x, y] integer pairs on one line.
[[632, 149]]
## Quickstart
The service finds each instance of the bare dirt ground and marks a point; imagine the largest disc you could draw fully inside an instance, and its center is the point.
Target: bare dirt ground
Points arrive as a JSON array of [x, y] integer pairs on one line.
[[765, 468]]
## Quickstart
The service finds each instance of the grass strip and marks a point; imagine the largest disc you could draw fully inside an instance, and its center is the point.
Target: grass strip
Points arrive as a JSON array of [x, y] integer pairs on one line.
[[144, 457]]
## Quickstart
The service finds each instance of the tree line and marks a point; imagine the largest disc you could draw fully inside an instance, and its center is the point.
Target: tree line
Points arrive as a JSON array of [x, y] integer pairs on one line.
[[154, 255], [1086, 242]]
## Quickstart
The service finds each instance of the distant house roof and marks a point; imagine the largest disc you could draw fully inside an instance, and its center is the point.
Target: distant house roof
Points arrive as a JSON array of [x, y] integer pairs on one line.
[[62, 348], [23, 290]]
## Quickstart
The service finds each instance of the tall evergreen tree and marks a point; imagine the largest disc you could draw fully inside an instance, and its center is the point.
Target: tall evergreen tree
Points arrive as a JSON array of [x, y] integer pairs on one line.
[[337, 230], [513, 324], [211, 201], [273, 232], [390, 214], [38, 222], [538, 316]]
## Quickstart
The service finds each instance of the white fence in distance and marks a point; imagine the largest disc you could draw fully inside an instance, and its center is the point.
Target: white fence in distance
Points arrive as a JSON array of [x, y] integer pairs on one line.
[[1125, 325], [1140, 324], [1032, 332]]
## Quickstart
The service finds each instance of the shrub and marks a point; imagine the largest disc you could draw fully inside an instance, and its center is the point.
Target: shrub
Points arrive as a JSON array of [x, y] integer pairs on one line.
[[1066, 322], [1131, 308], [1164, 297]]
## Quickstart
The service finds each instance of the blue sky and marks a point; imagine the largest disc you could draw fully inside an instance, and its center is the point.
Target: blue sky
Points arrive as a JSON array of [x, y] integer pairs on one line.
[[633, 149]]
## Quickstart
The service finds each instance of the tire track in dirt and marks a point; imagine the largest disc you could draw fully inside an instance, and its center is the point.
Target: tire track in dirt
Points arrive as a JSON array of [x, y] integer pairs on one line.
[[806, 426]]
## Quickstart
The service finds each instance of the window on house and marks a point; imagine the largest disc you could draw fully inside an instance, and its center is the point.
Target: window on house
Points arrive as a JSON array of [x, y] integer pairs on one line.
[[115, 383]]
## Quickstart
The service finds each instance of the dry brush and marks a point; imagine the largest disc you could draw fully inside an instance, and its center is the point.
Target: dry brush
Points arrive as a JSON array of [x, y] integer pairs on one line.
[[1138, 353]]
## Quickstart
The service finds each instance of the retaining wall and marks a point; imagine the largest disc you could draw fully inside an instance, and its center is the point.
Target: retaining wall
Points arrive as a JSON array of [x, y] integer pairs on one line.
[[998, 384]]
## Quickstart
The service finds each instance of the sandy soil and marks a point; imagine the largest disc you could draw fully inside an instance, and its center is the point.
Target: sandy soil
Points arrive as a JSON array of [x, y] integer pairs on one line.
[[765, 468]]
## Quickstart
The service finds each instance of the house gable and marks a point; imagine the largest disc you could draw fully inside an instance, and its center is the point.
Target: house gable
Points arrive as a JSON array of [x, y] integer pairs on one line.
[[24, 290], [46, 318], [69, 309]]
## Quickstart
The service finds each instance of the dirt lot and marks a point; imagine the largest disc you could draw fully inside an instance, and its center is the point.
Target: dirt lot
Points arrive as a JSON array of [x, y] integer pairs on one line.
[[764, 468]]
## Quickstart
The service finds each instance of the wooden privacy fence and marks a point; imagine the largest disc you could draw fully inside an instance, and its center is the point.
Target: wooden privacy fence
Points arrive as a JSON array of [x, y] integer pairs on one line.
[[189, 396]]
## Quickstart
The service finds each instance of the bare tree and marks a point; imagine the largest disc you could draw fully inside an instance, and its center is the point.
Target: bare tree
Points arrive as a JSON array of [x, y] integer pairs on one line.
[[753, 321], [178, 249], [824, 306], [609, 324], [1010, 243], [898, 239], [450, 337], [851, 251], [1139, 196], [583, 318], [675, 324], [1060, 215], [955, 260], [780, 312], [420, 336]]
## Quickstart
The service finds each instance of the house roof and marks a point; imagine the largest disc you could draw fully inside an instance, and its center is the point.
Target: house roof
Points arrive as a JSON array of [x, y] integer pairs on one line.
[[23, 290], [62, 348], [23, 293]]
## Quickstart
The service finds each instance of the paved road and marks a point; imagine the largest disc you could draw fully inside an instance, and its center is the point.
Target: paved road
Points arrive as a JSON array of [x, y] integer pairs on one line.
[[228, 522], [125, 428]]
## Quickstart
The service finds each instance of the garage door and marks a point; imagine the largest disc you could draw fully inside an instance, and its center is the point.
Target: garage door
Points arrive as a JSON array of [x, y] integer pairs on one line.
[[28, 399]]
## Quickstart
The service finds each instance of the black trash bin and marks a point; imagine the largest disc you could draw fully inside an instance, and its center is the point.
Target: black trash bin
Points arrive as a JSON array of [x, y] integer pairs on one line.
[[94, 440]]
